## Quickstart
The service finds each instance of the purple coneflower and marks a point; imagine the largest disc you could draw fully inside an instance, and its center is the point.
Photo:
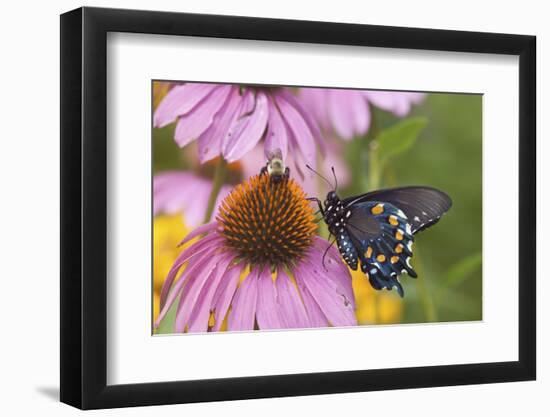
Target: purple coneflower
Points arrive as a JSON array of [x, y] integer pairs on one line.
[[259, 266], [229, 120], [347, 112], [184, 192]]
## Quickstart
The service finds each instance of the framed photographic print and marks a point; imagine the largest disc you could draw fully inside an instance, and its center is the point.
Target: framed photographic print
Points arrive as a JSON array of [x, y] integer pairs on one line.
[[256, 208]]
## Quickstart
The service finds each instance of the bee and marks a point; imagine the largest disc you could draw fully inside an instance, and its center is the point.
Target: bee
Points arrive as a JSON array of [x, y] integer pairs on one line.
[[275, 166]]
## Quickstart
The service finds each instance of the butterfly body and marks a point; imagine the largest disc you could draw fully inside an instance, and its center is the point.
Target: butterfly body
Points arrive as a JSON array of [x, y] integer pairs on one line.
[[335, 216], [376, 230]]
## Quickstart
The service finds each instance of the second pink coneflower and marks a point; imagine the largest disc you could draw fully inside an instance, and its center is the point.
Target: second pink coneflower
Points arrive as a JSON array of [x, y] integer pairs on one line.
[[229, 120], [346, 112]]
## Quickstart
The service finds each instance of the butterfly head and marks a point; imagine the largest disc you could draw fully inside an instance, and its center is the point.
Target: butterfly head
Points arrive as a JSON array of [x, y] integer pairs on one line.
[[331, 197]]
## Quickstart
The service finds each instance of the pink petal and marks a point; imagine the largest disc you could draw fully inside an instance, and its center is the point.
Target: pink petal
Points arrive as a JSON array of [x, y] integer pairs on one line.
[[348, 112], [301, 135], [180, 100], [253, 161], [211, 141], [335, 304], [315, 314], [308, 118], [198, 321], [204, 229], [268, 307], [243, 311], [171, 191], [315, 100], [416, 98], [337, 270], [387, 100], [224, 192], [292, 311], [399, 103], [207, 244], [190, 297], [224, 295], [246, 106], [249, 131], [196, 206], [191, 125], [193, 266], [276, 137]]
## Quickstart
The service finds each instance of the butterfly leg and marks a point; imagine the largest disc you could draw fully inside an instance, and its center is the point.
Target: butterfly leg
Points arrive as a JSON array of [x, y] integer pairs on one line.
[[326, 251], [318, 203]]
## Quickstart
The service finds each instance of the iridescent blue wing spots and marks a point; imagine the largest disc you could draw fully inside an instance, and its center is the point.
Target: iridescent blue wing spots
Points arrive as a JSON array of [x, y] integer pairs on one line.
[[382, 236], [423, 206]]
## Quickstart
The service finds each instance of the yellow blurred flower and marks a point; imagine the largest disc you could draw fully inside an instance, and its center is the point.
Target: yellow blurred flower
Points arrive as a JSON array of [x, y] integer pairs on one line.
[[160, 89], [168, 231], [372, 306]]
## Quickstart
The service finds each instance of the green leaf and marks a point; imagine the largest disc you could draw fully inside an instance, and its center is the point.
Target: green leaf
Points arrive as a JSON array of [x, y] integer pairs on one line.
[[464, 268], [398, 138], [166, 326]]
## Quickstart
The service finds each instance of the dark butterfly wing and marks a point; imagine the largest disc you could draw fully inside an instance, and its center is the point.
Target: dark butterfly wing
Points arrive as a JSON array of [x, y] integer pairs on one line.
[[423, 206], [382, 237]]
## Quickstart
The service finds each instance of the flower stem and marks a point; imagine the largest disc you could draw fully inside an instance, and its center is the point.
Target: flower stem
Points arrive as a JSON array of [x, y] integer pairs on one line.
[[374, 183], [428, 305], [374, 166], [217, 182]]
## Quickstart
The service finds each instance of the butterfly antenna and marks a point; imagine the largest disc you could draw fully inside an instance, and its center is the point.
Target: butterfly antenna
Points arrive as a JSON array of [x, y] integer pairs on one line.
[[335, 179], [312, 170]]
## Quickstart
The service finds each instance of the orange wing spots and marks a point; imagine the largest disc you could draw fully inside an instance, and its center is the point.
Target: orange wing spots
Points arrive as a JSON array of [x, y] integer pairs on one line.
[[394, 259], [399, 234], [368, 253], [381, 258], [378, 209], [393, 220], [399, 248]]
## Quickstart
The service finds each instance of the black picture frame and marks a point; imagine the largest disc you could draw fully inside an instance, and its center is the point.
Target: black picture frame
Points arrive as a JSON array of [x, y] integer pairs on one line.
[[84, 207]]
